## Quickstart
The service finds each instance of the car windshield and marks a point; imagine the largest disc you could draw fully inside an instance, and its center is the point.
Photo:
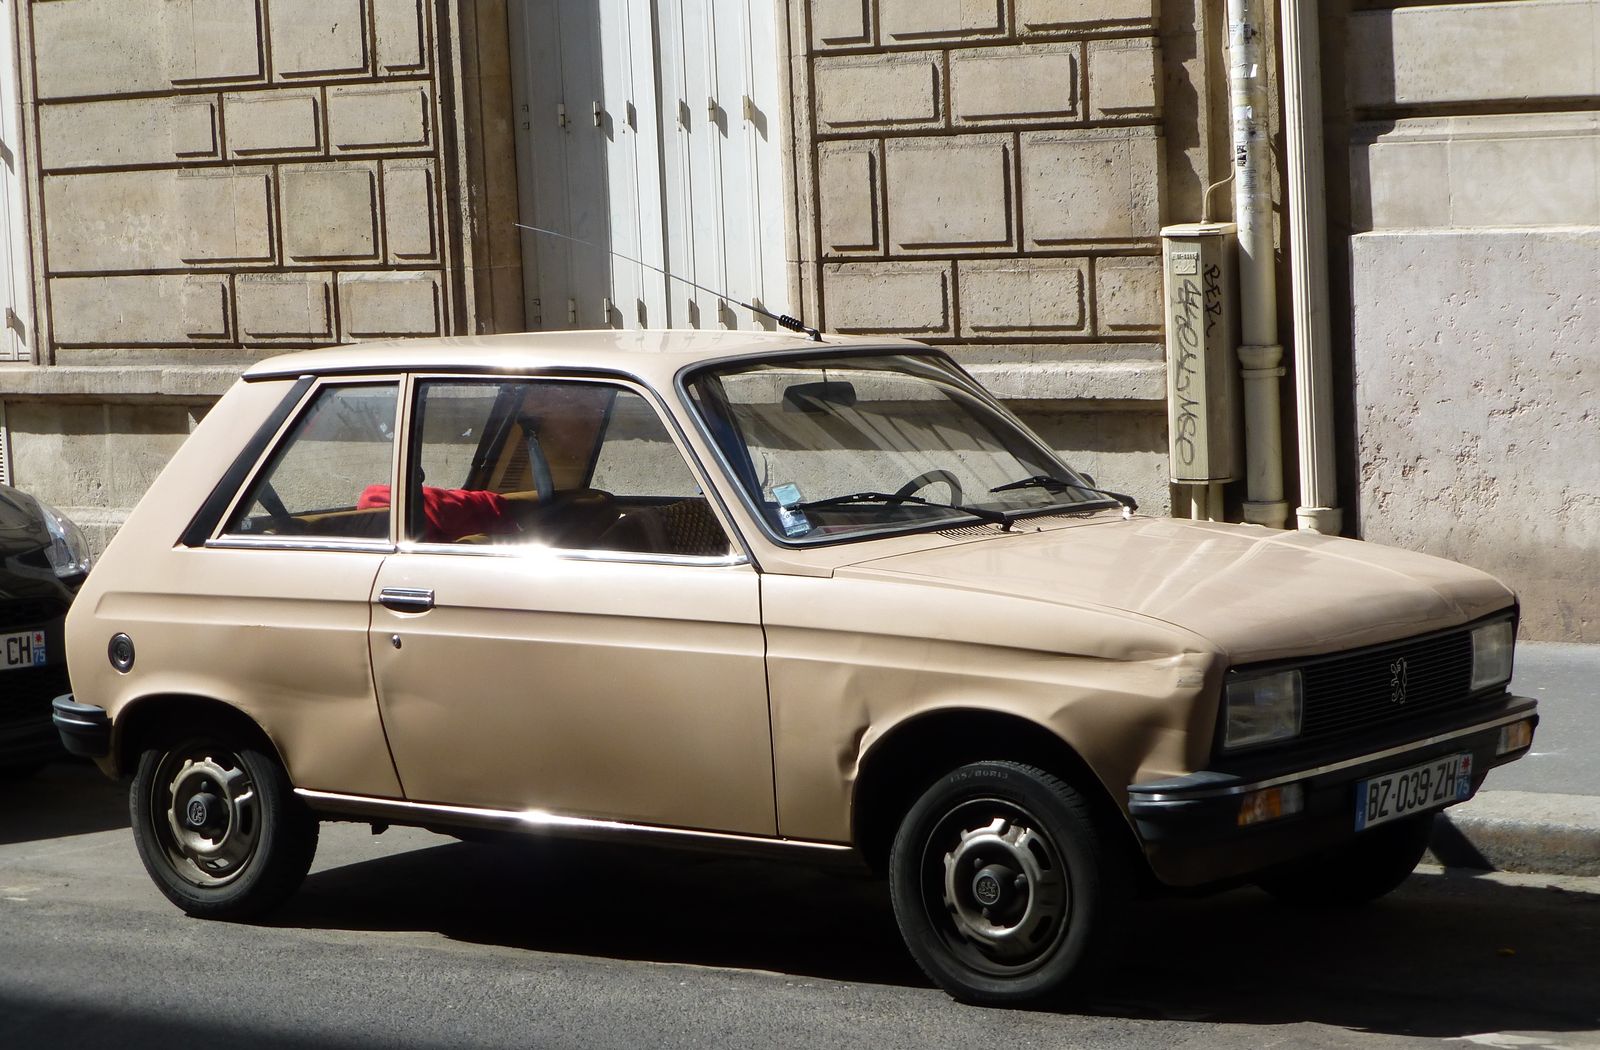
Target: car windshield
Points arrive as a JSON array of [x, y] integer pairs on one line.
[[848, 446]]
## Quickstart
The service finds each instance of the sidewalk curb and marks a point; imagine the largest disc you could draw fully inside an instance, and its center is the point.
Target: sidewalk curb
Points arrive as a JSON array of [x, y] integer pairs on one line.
[[1521, 831]]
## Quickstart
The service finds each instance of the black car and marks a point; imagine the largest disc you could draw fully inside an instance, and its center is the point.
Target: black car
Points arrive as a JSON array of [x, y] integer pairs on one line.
[[43, 561]]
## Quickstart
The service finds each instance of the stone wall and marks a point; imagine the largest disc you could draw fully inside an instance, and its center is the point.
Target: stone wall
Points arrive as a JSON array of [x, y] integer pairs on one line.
[[215, 181], [238, 174], [1474, 158], [991, 177]]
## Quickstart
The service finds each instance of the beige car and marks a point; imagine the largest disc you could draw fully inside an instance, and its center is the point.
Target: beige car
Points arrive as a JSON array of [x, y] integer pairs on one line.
[[824, 599]]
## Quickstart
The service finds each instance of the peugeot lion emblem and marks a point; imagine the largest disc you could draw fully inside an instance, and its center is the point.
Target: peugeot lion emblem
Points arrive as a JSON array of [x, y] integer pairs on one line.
[[1397, 681]]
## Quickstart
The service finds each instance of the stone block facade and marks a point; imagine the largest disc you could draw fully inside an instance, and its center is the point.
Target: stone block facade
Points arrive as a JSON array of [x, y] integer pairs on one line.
[[1473, 151], [230, 177], [986, 175]]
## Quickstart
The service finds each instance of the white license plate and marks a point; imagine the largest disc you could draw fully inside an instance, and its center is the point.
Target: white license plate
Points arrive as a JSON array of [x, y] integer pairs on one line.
[[22, 650], [1430, 785]]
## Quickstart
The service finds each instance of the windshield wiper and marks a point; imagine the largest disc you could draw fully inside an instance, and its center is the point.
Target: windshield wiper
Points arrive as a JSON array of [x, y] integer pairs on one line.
[[994, 517], [1052, 484]]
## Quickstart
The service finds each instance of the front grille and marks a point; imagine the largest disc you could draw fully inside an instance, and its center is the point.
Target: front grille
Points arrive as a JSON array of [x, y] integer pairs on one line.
[[30, 612], [1359, 692], [1352, 698]]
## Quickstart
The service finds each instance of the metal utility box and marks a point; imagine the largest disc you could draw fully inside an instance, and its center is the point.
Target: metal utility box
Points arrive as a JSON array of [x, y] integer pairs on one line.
[[1199, 282]]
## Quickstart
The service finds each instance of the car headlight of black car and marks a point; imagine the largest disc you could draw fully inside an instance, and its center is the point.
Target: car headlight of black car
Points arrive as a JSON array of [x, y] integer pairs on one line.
[[68, 552]]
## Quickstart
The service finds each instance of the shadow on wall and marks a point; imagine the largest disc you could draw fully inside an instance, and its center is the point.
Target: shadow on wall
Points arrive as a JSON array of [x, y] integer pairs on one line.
[[1125, 449]]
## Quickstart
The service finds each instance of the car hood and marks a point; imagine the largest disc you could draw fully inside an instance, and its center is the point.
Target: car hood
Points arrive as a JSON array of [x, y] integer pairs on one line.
[[22, 527], [1255, 593]]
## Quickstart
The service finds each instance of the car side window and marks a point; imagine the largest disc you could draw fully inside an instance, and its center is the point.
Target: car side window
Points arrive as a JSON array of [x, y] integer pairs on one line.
[[321, 479], [555, 463]]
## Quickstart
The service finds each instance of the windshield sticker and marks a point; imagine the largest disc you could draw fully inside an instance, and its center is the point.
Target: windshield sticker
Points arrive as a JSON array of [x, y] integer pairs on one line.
[[793, 520]]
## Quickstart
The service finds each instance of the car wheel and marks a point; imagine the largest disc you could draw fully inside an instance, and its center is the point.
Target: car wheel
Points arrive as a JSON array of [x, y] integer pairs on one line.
[[1362, 870], [1002, 887], [219, 829]]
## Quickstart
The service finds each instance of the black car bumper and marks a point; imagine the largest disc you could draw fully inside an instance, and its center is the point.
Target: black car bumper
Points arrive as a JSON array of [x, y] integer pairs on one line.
[[1195, 830], [26, 736], [83, 728]]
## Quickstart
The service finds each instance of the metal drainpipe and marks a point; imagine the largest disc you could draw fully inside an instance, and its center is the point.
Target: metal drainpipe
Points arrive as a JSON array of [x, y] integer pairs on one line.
[[1260, 355], [1305, 191]]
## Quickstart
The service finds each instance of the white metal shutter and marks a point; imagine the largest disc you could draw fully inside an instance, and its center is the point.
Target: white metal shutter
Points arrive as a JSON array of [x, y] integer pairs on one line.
[[15, 294], [649, 127]]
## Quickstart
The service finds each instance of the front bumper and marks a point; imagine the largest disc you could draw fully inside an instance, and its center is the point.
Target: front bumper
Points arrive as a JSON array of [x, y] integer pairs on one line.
[[84, 729], [1190, 825], [26, 735]]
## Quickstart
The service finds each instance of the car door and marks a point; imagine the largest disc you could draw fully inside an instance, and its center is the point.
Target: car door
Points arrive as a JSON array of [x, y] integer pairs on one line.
[[567, 627], [269, 608]]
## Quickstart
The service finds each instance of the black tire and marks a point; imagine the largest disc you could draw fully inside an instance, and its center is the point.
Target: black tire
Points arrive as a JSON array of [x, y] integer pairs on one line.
[[1370, 865], [1003, 889], [218, 827]]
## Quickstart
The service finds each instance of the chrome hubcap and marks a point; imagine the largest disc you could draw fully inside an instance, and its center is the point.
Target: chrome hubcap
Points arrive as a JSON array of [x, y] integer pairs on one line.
[[1000, 885], [208, 816]]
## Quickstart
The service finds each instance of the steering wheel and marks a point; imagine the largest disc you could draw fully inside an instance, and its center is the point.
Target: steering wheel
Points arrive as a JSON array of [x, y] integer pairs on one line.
[[931, 477]]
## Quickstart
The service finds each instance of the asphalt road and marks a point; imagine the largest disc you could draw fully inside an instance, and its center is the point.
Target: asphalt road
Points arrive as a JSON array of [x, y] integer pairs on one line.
[[412, 940], [1565, 679]]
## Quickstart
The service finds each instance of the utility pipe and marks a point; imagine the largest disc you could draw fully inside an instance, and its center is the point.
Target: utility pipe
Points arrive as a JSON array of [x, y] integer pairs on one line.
[[1306, 195], [1260, 355]]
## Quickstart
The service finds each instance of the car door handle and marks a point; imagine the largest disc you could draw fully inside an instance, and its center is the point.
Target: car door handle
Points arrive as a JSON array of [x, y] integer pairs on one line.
[[406, 599]]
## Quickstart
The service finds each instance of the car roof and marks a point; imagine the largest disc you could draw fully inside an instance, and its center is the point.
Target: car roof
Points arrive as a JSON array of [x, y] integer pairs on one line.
[[653, 356]]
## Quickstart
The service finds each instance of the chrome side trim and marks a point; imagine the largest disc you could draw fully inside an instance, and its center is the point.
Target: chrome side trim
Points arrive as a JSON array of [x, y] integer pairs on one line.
[[533, 820], [299, 544], [535, 550], [1332, 767]]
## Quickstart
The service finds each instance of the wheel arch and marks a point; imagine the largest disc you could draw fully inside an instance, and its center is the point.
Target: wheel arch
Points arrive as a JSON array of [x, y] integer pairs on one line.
[[148, 719], [911, 756]]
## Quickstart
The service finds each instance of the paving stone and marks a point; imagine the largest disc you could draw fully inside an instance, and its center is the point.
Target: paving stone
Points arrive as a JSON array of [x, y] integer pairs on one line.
[[1015, 298], [396, 303], [1124, 78], [140, 310], [278, 122], [386, 117], [1127, 295], [1094, 185], [1055, 16], [330, 212], [888, 298], [898, 91], [408, 212], [907, 21], [318, 37], [1026, 84], [850, 195], [840, 23], [285, 306], [156, 220], [950, 193], [128, 132], [1474, 52]]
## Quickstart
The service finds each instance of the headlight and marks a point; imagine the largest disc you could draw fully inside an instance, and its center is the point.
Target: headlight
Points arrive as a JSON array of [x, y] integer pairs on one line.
[[68, 552], [1262, 709], [1492, 645]]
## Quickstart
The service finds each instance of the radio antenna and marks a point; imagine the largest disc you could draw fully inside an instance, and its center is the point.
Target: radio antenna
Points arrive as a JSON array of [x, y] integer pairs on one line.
[[793, 324]]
